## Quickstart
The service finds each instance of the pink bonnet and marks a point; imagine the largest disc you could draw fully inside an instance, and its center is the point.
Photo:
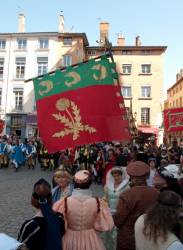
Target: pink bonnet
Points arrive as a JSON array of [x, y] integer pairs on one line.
[[82, 176]]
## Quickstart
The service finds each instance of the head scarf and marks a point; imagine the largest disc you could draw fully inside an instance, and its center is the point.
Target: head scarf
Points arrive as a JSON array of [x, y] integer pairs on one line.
[[170, 171], [53, 240], [110, 178]]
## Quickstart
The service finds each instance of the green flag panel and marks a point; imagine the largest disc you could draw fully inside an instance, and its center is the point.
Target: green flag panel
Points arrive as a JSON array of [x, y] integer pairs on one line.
[[94, 72]]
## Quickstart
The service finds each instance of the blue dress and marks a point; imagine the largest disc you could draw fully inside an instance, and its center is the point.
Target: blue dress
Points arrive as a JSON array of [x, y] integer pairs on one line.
[[57, 193], [17, 155]]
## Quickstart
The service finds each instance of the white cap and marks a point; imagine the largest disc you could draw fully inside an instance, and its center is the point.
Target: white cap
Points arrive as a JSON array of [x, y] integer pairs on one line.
[[171, 170]]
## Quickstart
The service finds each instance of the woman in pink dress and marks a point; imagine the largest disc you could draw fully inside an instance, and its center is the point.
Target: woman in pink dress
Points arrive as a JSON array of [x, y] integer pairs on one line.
[[85, 216]]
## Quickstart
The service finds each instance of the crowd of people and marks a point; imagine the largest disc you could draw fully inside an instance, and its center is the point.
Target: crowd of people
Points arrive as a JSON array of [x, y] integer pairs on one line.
[[141, 208]]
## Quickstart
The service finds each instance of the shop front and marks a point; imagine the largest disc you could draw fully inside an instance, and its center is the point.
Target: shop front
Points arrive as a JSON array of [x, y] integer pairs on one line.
[[147, 134], [16, 124], [31, 125]]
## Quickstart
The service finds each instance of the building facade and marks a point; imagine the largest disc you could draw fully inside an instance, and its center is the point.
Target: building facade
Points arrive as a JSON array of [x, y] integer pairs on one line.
[[25, 55], [140, 71], [174, 104]]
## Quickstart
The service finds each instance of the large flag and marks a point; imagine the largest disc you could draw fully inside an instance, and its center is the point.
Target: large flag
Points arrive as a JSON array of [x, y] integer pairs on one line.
[[2, 123], [173, 119], [80, 105]]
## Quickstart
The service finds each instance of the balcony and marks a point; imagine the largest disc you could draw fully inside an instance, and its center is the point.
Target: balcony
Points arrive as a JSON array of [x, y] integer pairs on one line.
[[17, 109]]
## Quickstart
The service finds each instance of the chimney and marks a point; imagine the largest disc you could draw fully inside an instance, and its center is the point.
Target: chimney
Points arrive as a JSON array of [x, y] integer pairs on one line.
[[137, 41], [181, 73], [120, 40], [61, 24], [178, 76], [104, 32], [21, 23]]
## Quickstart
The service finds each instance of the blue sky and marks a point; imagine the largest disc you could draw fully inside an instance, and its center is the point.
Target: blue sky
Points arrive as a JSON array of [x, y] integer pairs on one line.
[[158, 22]]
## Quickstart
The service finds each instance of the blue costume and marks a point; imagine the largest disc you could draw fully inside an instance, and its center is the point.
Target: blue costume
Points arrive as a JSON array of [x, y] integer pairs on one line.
[[31, 155], [57, 193], [17, 155], [23, 148]]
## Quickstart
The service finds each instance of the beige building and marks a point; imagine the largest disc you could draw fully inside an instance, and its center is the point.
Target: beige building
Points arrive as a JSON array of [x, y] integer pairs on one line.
[[24, 55], [140, 71], [175, 100], [175, 93]]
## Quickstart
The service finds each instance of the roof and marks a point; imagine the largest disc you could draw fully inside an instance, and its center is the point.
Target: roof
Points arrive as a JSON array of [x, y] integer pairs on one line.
[[49, 34], [175, 84], [135, 48]]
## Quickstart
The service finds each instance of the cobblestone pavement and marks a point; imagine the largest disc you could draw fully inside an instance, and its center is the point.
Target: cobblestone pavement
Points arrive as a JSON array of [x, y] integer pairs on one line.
[[15, 192]]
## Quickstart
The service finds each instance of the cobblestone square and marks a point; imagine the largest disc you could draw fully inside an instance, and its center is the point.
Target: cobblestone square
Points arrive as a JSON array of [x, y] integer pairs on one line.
[[16, 189]]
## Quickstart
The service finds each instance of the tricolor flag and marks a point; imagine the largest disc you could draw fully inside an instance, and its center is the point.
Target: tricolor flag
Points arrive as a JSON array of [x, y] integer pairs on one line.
[[80, 105]]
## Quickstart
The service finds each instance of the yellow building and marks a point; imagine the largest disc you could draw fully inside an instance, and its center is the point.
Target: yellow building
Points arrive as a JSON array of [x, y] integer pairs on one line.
[[175, 100], [141, 77], [175, 93]]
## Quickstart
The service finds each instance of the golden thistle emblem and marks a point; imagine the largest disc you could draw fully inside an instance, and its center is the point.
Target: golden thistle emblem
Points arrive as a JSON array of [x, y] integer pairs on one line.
[[71, 119]]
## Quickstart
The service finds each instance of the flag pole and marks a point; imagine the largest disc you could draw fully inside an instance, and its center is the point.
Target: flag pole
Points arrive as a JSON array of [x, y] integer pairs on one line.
[[108, 49], [108, 53]]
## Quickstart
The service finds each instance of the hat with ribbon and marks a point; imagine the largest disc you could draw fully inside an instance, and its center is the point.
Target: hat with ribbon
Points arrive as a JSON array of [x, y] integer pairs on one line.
[[82, 176]]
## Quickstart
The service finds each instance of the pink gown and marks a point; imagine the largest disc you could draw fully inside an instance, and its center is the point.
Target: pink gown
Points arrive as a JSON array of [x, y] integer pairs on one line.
[[83, 222]]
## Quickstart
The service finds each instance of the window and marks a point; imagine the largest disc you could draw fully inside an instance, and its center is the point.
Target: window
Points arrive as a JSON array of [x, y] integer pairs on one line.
[[145, 115], [180, 102], [146, 68], [126, 52], [22, 43], [177, 102], [18, 94], [16, 120], [2, 44], [0, 96], [67, 41], [42, 65], [67, 60], [126, 92], [34, 105], [43, 43], [1, 67], [126, 68], [146, 91], [91, 52], [20, 67]]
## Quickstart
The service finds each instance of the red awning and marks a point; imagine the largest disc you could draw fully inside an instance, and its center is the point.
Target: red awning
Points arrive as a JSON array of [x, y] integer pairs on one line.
[[148, 130]]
